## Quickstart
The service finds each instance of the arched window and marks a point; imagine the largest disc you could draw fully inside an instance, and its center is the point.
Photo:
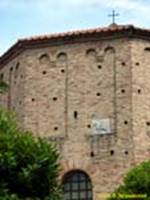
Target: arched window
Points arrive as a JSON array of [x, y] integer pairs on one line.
[[44, 59], [62, 57], [77, 186]]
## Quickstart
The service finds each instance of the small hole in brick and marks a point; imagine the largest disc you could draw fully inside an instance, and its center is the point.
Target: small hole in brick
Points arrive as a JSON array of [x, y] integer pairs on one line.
[[20, 102], [98, 94], [147, 49], [92, 154], [33, 99], [137, 63], [99, 66], [1, 77], [11, 69], [148, 123], [62, 71], [55, 128], [112, 152], [123, 64], [54, 98], [125, 122], [123, 90], [21, 76], [44, 72], [139, 91], [75, 114], [15, 82], [89, 125], [126, 152]]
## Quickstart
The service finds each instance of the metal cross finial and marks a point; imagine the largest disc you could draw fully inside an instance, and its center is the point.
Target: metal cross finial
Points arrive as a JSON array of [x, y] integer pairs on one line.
[[113, 15]]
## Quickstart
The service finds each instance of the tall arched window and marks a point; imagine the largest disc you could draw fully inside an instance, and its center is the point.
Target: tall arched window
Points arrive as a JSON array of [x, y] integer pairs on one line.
[[77, 186]]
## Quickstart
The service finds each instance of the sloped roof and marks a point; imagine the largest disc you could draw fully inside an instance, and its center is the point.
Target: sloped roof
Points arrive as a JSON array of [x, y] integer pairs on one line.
[[112, 31], [78, 32]]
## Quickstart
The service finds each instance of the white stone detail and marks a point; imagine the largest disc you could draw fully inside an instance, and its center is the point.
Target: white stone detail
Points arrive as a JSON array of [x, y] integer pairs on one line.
[[101, 126]]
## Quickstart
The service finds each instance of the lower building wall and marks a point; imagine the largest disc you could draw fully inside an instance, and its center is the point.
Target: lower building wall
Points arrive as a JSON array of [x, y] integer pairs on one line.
[[106, 170], [105, 176]]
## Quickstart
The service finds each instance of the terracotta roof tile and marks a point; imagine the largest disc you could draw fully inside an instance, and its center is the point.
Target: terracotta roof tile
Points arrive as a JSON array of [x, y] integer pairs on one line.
[[78, 32]]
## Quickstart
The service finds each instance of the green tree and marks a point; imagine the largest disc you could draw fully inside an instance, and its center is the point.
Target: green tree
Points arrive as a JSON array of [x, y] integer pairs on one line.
[[136, 184], [29, 166]]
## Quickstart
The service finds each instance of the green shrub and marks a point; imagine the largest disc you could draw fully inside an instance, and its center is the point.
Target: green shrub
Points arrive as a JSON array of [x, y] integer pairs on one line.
[[28, 166], [136, 184]]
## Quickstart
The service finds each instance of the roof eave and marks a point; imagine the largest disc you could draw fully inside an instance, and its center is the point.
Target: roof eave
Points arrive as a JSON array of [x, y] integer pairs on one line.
[[21, 45]]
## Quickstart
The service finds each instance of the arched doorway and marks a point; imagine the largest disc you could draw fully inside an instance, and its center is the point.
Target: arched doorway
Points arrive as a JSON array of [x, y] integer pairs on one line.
[[77, 186]]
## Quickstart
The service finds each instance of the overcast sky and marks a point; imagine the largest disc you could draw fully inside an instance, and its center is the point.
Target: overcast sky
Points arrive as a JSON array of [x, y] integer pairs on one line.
[[23, 18]]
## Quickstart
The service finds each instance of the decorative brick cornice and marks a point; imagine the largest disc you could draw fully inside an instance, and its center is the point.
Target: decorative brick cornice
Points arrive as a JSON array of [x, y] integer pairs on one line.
[[110, 32]]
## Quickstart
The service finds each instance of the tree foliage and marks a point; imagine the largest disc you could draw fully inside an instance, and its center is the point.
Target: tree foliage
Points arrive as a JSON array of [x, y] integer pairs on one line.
[[136, 184], [28, 166]]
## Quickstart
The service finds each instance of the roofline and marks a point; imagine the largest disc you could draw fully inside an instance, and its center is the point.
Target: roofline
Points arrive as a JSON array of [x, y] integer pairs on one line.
[[111, 32]]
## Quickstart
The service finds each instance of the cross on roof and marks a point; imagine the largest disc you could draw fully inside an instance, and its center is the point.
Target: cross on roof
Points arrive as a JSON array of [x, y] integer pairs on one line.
[[113, 15]]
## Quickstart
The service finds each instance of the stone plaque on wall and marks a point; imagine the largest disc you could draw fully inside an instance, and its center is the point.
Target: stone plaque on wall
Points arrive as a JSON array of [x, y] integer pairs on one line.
[[101, 126]]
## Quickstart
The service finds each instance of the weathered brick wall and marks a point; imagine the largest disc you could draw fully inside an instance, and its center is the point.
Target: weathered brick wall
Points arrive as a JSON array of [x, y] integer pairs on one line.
[[113, 82], [63, 88], [141, 98], [13, 74]]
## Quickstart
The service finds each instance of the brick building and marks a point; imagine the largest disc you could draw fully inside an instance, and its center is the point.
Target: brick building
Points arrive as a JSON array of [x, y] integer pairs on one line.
[[88, 91]]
